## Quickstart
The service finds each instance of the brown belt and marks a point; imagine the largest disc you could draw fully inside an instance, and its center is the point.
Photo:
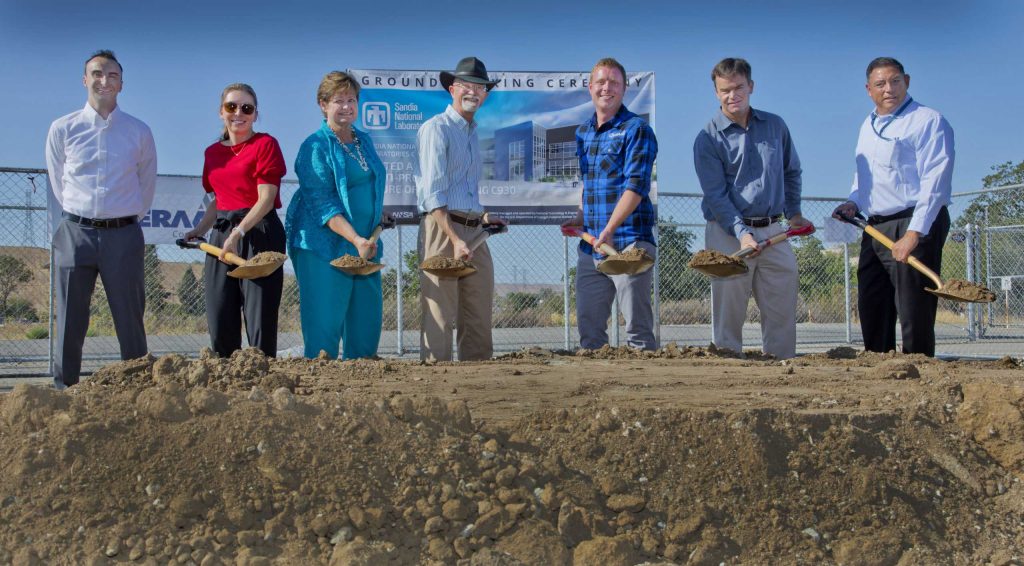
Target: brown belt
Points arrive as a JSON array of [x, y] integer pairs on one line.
[[468, 222]]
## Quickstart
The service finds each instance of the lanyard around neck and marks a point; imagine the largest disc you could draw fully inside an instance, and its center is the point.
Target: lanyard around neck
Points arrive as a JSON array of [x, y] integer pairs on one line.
[[895, 115]]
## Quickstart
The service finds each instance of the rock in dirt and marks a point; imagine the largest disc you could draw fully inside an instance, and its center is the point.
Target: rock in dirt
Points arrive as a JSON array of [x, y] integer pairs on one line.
[[841, 353], [631, 503], [992, 415], [868, 549], [360, 553], [203, 401], [29, 408], [165, 403], [536, 542], [572, 524], [605, 551], [896, 369], [492, 557]]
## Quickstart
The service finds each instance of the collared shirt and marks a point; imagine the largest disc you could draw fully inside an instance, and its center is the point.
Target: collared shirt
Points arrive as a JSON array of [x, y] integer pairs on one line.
[[909, 165], [448, 164], [615, 158], [101, 168], [747, 172]]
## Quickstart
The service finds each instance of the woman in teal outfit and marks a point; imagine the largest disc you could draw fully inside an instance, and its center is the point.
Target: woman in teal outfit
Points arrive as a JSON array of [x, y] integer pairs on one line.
[[339, 202]]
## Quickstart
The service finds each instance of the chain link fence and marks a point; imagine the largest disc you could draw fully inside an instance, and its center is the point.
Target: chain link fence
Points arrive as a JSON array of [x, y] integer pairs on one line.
[[534, 271]]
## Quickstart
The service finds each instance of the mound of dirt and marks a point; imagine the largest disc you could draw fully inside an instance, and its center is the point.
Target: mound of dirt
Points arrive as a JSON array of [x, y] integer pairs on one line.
[[612, 457], [711, 257], [349, 260], [266, 258], [968, 291], [442, 262]]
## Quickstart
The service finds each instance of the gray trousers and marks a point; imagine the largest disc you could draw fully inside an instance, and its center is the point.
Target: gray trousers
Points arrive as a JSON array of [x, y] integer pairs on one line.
[[595, 292], [116, 255], [772, 280]]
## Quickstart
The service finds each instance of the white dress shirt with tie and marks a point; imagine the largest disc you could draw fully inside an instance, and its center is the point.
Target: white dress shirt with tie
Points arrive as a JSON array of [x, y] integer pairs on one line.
[[905, 159], [102, 168]]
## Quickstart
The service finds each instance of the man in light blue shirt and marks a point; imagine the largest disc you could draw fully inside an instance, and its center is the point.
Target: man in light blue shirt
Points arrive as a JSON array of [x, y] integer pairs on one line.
[[903, 184], [448, 196], [750, 174]]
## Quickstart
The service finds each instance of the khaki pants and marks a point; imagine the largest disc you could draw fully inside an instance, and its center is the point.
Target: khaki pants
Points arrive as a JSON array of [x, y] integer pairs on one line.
[[466, 302], [773, 282]]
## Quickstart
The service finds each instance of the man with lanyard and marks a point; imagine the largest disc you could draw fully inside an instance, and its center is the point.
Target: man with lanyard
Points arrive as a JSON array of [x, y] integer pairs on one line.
[[102, 169], [750, 174], [616, 149], [448, 196], [903, 184]]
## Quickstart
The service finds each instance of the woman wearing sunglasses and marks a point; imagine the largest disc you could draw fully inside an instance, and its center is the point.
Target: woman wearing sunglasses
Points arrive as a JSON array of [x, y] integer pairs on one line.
[[339, 203], [243, 171]]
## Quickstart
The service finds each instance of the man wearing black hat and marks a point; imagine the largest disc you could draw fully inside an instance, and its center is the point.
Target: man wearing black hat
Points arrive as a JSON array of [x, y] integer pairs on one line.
[[448, 196]]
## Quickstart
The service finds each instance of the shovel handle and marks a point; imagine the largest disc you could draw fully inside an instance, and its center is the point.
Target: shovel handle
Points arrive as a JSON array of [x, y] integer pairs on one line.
[[885, 241], [373, 236], [215, 251], [604, 248], [780, 237], [488, 231]]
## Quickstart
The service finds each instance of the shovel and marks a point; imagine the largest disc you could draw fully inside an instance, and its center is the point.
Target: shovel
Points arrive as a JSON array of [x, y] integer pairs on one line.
[[715, 264], [442, 266], [357, 265], [261, 265], [954, 289], [629, 263]]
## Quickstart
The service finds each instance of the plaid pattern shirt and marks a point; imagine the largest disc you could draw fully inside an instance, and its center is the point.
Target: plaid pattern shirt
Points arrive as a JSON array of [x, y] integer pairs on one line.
[[617, 157]]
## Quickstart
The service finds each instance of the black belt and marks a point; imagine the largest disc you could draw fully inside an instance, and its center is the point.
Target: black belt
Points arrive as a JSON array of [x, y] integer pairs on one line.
[[880, 218], [762, 221], [101, 222], [468, 222]]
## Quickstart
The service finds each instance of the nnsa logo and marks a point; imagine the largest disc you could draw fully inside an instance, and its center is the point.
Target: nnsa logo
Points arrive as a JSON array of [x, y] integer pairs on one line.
[[376, 115]]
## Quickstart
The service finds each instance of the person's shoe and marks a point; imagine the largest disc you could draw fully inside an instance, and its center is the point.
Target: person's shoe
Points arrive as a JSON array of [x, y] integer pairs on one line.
[[59, 385]]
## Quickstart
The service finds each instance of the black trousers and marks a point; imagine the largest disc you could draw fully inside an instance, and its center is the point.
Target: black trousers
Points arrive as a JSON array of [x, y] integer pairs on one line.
[[228, 300], [888, 289]]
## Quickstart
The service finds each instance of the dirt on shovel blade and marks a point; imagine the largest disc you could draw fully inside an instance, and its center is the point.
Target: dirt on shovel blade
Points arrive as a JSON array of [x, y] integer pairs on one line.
[[970, 292], [634, 254], [266, 258], [442, 262], [712, 257], [350, 261]]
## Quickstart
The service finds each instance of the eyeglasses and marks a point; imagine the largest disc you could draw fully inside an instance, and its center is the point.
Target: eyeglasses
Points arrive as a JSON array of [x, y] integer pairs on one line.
[[232, 107], [472, 87]]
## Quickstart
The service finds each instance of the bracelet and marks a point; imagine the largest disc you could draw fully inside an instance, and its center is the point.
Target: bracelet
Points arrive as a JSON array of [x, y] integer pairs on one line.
[[239, 230]]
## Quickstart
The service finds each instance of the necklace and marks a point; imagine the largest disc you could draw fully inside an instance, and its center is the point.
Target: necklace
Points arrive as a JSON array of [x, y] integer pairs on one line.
[[357, 156], [240, 145]]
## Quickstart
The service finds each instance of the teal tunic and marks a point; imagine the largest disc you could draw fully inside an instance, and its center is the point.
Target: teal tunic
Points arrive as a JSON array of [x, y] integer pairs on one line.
[[335, 306]]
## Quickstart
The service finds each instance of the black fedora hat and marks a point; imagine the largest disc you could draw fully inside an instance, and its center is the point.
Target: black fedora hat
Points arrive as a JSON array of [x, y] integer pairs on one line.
[[469, 69]]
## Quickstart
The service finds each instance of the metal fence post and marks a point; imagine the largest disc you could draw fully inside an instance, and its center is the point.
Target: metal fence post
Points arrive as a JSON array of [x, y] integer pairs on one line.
[[565, 291], [615, 320], [987, 279], [657, 294], [970, 243], [400, 300], [846, 292]]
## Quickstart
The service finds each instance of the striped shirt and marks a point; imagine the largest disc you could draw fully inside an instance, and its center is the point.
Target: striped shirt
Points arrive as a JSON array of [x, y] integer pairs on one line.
[[448, 165], [615, 158]]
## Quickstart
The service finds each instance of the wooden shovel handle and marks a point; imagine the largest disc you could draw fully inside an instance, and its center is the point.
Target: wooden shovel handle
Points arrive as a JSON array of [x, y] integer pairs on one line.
[[215, 251], [913, 261], [373, 237], [604, 249], [885, 241]]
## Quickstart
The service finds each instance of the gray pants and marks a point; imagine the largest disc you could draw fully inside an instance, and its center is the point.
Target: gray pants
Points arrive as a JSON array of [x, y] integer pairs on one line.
[[595, 292], [116, 255], [772, 280]]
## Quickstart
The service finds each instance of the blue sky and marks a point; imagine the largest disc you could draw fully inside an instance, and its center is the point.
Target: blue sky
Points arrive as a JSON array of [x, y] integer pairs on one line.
[[808, 60]]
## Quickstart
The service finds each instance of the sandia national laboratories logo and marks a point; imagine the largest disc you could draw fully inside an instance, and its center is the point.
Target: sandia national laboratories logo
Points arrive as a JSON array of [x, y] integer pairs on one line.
[[376, 115]]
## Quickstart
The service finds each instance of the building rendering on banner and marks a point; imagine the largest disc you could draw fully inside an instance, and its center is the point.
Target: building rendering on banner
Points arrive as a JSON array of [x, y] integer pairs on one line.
[[527, 152]]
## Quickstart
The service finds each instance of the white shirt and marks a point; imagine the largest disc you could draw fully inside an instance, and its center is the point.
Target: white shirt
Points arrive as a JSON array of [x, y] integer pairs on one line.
[[909, 165], [448, 165], [101, 168]]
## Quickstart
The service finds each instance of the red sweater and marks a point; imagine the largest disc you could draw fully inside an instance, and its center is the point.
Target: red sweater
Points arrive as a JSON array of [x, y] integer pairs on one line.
[[232, 173]]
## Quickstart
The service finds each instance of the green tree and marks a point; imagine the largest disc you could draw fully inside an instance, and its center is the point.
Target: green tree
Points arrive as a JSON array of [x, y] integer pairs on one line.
[[191, 293], [411, 276], [1000, 208], [821, 271], [13, 272], [156, 295], [676, 281]]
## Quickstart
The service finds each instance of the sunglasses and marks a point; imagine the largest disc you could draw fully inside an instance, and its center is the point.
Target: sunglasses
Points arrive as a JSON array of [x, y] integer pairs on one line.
[[472, 87], [232, 107]]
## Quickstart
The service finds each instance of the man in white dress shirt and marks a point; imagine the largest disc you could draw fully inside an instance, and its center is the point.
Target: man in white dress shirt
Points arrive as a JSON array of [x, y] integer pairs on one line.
[[903, 184], [102, 169], [448, 197]]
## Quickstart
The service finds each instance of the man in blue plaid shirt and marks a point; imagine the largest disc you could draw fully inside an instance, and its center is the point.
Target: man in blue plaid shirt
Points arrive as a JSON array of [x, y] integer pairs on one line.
[[616, 149]]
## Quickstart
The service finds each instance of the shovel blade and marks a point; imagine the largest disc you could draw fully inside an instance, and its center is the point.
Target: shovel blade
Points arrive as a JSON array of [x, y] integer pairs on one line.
[[953, 296], [613, 265], [367, 269], [449, 272], [254, 271]]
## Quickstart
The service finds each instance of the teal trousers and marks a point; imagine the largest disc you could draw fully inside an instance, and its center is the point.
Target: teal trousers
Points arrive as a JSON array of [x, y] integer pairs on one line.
[[337, 307]]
